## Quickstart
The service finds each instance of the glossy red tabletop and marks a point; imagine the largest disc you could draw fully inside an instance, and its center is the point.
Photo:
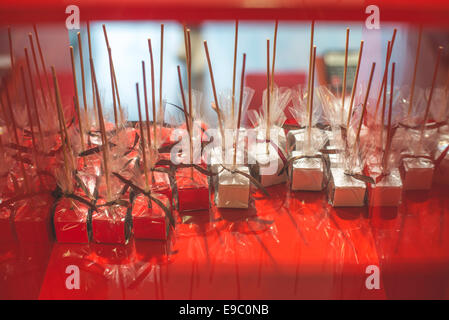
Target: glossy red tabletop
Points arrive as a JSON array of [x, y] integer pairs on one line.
[[288, 246]]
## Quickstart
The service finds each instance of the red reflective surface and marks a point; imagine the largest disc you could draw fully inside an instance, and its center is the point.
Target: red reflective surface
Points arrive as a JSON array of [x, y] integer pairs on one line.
[[288, 246]]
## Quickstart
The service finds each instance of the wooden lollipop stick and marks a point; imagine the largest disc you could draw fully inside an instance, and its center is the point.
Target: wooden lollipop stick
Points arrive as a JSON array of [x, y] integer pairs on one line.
[[384, 83], [345, 70], [312, 85], [365, 102], [153, 93], [384, 104], [111, 72], [183, 98], [390, 112], [36, 67], [142, 138], [384, 78], [30, 120], [33, 96], [63, 133], [94, 98], [77, 103], [354, 85], [16, 137], [310, 64], [11, 49], [267, 133], [61, 117], [429, 101], [234, 69], [217, 107], [147, 113], [44, 67], [161, 69], [103, 133], [274, 53], [83, 77], [415, 69], [189, 79], [242, 83]]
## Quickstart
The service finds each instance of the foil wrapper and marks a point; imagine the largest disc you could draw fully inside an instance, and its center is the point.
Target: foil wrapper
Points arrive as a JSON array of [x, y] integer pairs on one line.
[[344, 190], [307, 174], [232, 190], [387, 192], [417, 173]]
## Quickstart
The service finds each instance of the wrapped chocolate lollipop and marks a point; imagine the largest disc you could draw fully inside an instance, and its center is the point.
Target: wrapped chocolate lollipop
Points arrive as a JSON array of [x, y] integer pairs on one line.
[[306, 165], [268, 152], [383, 160], [417, 167]]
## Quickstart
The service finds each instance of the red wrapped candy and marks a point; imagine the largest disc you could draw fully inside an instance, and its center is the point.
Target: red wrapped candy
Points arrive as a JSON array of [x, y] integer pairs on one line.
[[150, 222]]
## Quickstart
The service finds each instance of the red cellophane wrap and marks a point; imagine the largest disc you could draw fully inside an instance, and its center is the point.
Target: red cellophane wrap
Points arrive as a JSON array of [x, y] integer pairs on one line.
[[32, 219], [150, 222], [70, 221], [193, 194], [110, 224]]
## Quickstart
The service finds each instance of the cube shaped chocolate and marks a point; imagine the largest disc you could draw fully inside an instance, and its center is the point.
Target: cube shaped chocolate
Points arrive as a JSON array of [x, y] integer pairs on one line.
[[232, 189], [193, 190], [306, 174], [344, 190], [111, 224], [417, 173], [268, 165], [441, 174], [150, 222], [388, 191], [71, 220]]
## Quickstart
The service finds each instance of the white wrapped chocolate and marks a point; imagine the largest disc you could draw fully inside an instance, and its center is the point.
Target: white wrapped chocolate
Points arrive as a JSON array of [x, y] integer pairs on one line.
[[417, 173], [306, 174], [267, 166], [232, 189], [387, 192], [344, 190]]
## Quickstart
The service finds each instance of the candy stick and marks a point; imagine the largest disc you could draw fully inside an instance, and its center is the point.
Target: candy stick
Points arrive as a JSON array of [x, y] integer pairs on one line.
[[103, 133], [267, 133], [242, 80], [153, 93], [83, 80], [184, 104], [312, 85], [384, 103], [94, 98], [359, 128], [234, 69], [429, 101], [33, 96], [189, 80], [384, 78], [415, 68], [343, 94], [44, 67], [217, 107], [16, 137], [390, 111], [114, 101], [310, 64], [30, 120], [147, 113], [44, 100], [354, 85], [161, 73], [77, 103], [144, 157], [274, 53], [61, 117], [63, 133]]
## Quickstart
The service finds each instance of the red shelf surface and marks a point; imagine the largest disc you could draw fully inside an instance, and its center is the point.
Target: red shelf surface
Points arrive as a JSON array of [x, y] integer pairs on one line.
[[289, 246]]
